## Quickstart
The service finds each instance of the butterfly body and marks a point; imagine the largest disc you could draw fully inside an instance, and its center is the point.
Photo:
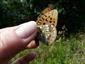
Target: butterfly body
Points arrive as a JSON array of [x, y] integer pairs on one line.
[[46, 23]]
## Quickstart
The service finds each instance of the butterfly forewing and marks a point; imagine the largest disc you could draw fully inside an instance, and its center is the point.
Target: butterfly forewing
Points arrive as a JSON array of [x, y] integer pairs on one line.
[[53, 16], [46, 10]]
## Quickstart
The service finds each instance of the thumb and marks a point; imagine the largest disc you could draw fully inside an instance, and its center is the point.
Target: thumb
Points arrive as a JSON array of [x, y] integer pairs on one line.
[[25, 59]]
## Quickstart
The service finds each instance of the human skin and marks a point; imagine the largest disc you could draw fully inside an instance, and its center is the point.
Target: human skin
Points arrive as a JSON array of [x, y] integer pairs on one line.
[[15, 39]]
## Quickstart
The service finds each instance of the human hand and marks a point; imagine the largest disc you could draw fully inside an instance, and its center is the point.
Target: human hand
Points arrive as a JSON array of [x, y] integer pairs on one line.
[[15, 39]]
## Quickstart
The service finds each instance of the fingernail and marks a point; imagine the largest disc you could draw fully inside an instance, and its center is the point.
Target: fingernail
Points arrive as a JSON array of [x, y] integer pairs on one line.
[[26, 29]]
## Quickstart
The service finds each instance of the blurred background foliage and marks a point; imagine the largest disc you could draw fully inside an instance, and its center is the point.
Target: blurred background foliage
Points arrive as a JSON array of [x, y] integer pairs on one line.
[[71, 12]]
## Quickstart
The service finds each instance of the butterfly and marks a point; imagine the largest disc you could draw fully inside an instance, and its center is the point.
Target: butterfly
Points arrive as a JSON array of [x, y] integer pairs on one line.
[[46, 23]]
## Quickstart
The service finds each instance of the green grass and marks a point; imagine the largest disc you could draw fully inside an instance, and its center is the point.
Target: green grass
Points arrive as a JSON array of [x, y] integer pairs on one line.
[[69, 51]]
